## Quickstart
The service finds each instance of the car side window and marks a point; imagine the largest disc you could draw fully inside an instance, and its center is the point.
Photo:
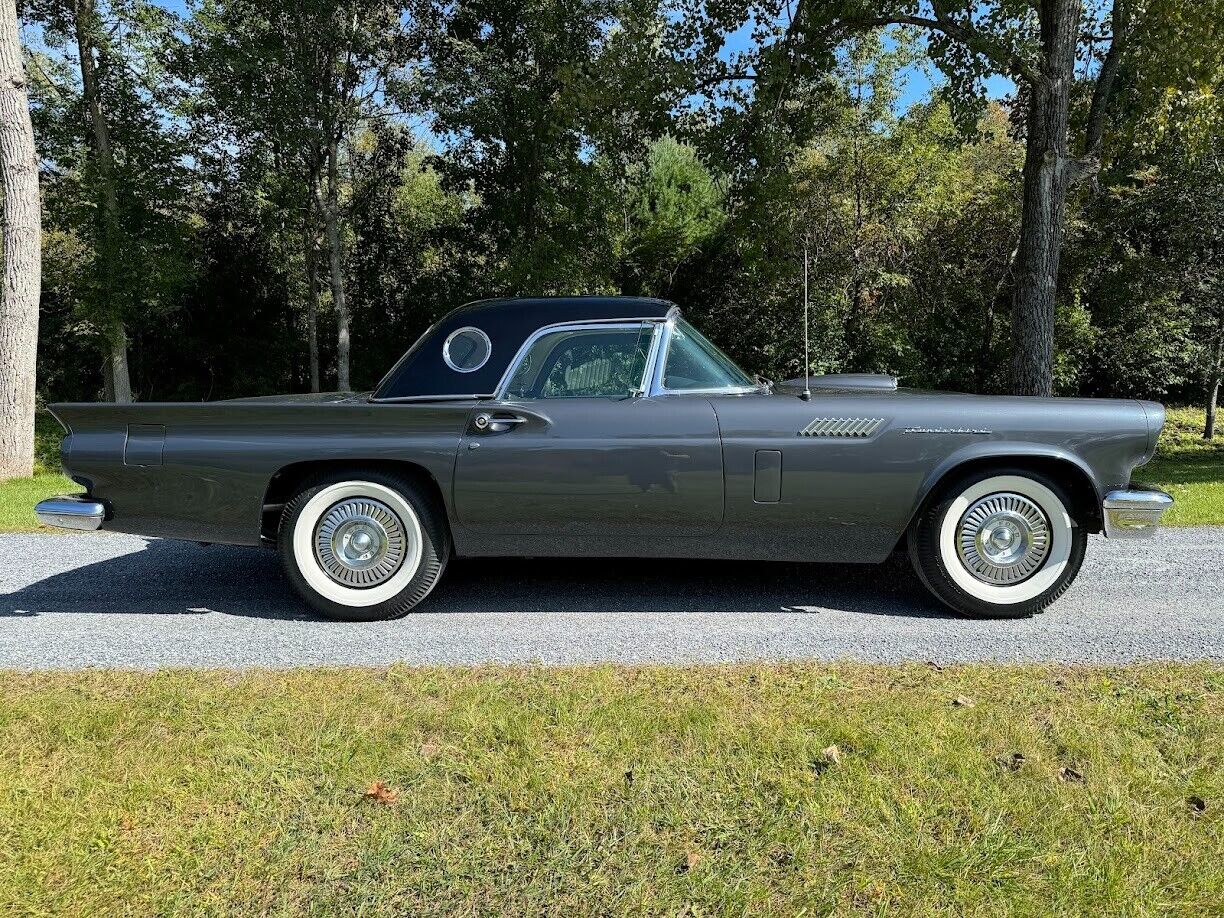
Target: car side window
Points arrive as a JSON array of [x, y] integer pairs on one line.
[[694, 363], [585, 362]]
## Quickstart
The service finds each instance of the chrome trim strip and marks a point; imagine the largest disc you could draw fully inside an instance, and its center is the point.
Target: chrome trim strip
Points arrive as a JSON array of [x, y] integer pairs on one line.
[[652, 357], [396, 399], [71, 512], [504, 383], [1134, 513], [655, 387]]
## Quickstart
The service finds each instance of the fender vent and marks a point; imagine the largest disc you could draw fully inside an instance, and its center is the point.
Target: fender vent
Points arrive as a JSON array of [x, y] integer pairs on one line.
[[842, 427]]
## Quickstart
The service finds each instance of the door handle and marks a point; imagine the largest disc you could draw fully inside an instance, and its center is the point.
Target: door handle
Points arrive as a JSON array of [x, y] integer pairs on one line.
[[485, 422]]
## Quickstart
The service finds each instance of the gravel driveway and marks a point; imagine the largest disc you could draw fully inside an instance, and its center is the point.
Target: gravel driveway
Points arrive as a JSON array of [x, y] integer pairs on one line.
[[70, 601]]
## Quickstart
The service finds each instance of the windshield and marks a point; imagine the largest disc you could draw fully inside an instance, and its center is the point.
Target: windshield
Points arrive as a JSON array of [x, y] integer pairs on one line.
[[694, 363]]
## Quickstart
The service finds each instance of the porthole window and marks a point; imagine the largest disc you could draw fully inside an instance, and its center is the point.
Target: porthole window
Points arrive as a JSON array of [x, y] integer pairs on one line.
[[466, 350]]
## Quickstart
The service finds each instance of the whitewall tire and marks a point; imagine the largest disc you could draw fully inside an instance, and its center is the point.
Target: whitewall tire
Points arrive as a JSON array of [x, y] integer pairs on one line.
[[998, 544], [363, 545]]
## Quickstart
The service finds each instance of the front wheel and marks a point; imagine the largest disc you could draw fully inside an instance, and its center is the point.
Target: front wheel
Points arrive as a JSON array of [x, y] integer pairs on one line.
[[999, 544], [364, 545]]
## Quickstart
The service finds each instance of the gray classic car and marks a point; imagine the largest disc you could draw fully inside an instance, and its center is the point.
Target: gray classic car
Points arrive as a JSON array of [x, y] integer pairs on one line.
[[610, 427]]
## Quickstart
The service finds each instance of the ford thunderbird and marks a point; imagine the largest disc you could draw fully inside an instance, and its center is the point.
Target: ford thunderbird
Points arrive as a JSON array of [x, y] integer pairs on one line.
[[611, 427]]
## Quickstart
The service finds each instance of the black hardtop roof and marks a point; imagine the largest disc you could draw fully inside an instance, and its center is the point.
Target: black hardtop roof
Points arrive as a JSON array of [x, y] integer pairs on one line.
[[508, 321], [568, 308]]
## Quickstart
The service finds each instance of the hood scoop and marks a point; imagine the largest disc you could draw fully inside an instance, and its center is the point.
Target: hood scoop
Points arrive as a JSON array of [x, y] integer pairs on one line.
[[876, 382]]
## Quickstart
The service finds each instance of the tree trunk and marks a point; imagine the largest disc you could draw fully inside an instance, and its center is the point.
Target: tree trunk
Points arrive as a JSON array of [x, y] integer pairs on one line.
[[118, 379], [1215, 375], [1213, 397], [22, 256], [331, 219], [1047, 176], [312, 290], [116, 375]]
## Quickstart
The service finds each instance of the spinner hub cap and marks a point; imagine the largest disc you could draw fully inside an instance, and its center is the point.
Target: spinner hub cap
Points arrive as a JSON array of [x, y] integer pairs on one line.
[[360, 542], [1003, 538]]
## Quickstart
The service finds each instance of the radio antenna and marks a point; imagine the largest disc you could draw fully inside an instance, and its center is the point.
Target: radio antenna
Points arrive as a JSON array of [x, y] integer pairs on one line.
[[807, 361]]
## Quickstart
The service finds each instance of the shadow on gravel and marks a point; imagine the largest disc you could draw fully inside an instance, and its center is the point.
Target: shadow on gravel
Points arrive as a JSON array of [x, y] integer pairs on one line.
[[183, 578]]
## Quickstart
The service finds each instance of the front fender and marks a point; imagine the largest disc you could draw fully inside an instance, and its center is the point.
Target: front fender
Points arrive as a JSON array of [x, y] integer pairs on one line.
[[974, 454]]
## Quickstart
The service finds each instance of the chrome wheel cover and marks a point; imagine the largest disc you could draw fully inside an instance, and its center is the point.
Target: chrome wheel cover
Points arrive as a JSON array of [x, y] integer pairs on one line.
[[360, 542], [1003, 538]]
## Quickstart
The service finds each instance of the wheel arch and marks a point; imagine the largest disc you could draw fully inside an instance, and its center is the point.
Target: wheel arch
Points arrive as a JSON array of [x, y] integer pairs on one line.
[[1063, 468], [287, 480]]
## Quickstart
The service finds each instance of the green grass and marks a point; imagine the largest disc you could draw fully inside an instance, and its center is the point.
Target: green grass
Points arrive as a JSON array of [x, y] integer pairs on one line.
[[1186, 466], [1190, 468], [698, 791], [19, 495]]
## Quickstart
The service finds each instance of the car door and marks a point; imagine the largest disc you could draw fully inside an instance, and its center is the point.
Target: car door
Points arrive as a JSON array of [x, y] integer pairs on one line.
[[573, 450]]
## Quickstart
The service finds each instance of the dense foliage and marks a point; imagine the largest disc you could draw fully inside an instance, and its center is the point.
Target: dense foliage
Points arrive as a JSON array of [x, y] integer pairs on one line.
[[284, 165]]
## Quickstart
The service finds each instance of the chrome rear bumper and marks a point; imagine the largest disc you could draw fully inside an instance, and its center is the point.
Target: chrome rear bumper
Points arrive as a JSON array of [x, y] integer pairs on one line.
[[72, 512], [1134, 513]]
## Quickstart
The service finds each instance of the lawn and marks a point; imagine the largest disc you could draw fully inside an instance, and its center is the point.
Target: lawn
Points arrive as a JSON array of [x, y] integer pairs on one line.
[[1186, 466], [791, 789], [19, 495], [1190, 468]]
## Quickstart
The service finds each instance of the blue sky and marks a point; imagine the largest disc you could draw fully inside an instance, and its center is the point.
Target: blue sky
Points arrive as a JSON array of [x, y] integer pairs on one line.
[[919, 80]]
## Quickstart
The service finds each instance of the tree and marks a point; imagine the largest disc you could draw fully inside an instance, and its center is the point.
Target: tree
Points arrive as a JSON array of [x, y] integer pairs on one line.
[[292, 80], [114, 163], [671, 210], [1034, 44], [22, 256], [543, 104], [89, 33], [1149, 260]]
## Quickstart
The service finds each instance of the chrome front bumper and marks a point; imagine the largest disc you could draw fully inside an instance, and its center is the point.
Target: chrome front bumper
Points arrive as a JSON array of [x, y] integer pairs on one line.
[[1134, 513], [71, 512]]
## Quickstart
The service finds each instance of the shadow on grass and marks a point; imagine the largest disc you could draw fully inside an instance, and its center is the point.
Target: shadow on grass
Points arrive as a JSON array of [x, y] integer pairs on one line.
[[182, 578], [1205, 469]]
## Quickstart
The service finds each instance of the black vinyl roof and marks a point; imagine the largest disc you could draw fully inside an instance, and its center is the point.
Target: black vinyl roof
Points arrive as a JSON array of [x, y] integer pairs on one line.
[[508, 322]]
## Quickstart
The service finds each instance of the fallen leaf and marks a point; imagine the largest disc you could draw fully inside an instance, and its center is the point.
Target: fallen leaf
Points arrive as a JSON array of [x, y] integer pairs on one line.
[[832, 754], [380, 793], [1013, 762], [691, 860], [1070, 775], [1197, 804], [962, 702]]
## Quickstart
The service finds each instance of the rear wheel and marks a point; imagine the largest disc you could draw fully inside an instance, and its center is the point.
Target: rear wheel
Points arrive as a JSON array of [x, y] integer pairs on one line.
[[998, 544], [363, 545]]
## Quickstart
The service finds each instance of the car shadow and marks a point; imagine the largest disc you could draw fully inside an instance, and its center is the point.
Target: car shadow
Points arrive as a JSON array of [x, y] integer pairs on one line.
[[184, 578]]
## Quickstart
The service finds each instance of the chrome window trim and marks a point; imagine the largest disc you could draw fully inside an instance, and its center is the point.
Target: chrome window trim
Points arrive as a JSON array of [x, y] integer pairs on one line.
[[397, 399], [656, 378], [652, 356], [446, 357], [504, 383]]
